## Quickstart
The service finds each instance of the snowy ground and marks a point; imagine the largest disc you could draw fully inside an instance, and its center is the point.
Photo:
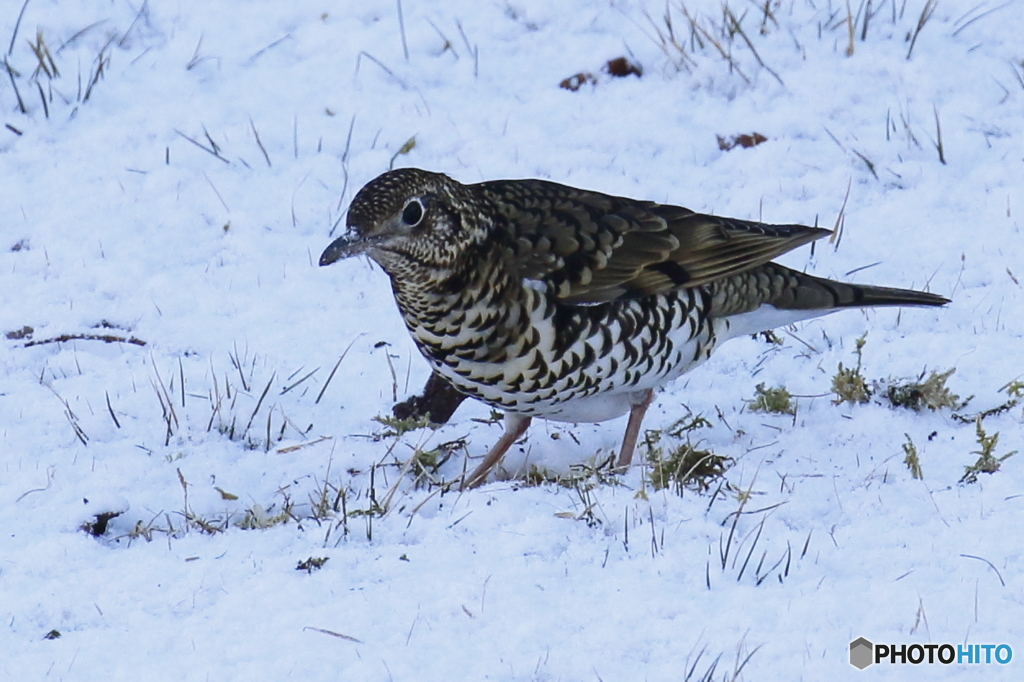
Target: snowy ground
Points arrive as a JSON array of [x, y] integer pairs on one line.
[[119, 217]]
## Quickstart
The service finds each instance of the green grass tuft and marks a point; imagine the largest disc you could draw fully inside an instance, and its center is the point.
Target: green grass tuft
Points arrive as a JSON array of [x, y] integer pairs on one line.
[[988, 462], [773, 400], [849, 384], [685, 467], [399, 427], [911, 460], [313, 563], [931, 393]]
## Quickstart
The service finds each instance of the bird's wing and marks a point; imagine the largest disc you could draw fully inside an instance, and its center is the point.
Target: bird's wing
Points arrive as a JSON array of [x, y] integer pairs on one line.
[[592, 247]]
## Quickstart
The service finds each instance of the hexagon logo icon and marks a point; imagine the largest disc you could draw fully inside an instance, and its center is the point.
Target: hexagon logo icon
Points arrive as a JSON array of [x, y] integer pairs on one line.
[[861, 653]]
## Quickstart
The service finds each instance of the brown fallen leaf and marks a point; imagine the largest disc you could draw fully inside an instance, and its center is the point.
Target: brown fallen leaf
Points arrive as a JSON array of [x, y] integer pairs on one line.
[[575, 82], [744, 140], [620, 67]]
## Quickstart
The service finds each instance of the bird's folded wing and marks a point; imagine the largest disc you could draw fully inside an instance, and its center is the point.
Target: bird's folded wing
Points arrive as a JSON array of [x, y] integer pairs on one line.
[[591, 247]]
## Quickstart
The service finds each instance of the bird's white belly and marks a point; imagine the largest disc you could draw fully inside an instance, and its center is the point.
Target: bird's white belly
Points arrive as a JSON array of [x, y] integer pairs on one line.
[[597, 408]]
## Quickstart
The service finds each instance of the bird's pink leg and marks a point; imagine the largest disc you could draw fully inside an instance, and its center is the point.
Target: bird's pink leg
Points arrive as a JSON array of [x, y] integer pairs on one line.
[[636, 416], [515, 427]]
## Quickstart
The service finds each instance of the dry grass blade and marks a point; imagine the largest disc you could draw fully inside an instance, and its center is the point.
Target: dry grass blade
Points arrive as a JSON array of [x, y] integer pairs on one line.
[[208, 150], [196, 58], [723, 552], [333, 634], [837, 229], [256, 134], [926, 14], [215, 191], [271, 46], [863, 267], [750, 552], [867, 162], [78, 34], [142, 14], [364, 53], [473, 49], [170, 417], [735, 24], [288, 388], [1018, 75], [43, 57], [666, 40], [344, 170], [259, 403], [998, 574], [976, 18], [767, 14], [102, 62], [72, 419], [17, 24], [181, 375], [717, 45], [111, 410], [14, 84], [401, 30], [938, 137], [448, 47], [335, 369], [237, 362], [867, 18], [294, 448], [42, 98], [850, 30]]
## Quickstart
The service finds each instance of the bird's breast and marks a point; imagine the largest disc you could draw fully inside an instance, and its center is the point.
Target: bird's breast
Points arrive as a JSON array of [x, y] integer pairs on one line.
[[534, 354]]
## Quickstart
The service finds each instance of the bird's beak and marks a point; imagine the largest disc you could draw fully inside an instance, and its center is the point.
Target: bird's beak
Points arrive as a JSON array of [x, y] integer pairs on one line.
[[347, 245]]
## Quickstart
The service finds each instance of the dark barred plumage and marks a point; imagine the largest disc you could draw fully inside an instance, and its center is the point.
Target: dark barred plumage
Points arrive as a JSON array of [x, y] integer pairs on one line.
[[548, 301]]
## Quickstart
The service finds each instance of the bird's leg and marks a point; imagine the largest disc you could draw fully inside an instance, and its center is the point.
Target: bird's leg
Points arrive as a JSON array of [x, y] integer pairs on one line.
[[515, 427], [636, 416]]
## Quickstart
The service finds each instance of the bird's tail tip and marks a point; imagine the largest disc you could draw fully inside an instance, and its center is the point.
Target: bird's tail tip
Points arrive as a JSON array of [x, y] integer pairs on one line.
[[867, 295]]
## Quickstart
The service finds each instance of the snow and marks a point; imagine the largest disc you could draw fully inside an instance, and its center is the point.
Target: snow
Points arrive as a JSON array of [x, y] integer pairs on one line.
[[115, 223]]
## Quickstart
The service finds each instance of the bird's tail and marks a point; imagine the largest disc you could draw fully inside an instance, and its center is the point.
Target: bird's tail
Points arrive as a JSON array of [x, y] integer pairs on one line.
[[806, 292], [786, 289]]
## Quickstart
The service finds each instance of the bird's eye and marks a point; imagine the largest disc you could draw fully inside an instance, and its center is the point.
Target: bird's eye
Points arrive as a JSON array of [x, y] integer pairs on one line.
[[412, 214]]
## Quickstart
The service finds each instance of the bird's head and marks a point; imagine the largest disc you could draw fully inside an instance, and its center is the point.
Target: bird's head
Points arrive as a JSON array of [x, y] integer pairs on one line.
[[414, 223]]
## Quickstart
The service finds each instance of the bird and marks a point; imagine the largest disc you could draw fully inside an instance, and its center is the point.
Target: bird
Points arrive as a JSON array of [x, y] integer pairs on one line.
[[544, 300]]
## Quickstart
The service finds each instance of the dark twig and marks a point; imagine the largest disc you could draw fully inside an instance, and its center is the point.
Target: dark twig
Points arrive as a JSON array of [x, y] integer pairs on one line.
[[106, 338]]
